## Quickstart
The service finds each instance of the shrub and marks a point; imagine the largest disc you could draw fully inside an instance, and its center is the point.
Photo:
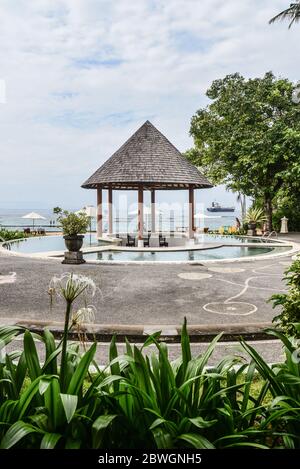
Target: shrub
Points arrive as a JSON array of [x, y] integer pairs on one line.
[[8, 235], [289, 302], [288, 207]]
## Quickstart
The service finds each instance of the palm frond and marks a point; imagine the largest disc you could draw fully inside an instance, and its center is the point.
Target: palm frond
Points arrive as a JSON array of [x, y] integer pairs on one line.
[[292, 13]]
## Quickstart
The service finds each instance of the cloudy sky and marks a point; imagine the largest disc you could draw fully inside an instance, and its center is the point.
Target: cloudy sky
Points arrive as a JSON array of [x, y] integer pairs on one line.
[[82, 75]]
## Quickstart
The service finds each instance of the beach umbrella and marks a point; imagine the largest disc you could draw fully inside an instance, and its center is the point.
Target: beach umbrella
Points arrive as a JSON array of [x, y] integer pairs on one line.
[[34, 216]]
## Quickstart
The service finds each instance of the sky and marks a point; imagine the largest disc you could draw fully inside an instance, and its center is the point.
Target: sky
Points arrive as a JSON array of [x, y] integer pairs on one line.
[[78, 77]]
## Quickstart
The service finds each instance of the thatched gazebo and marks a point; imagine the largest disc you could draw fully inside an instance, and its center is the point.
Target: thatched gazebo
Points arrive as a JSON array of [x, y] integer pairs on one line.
[[147, 161]]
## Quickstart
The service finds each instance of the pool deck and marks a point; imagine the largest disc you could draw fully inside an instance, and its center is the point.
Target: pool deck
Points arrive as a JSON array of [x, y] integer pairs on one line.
[[145, 297]]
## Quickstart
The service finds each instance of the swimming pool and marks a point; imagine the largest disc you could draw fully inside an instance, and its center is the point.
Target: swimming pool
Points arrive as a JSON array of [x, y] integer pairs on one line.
[[46, 244], [224, 252]]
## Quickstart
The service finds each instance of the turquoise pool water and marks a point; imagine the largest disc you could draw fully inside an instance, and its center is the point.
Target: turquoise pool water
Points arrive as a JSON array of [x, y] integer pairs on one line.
[[56, 243], [224, 252]]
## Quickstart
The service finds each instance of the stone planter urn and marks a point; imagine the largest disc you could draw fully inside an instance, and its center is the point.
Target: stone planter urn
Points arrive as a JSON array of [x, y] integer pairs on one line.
[[73, 244], [252, 226], [251, 229]]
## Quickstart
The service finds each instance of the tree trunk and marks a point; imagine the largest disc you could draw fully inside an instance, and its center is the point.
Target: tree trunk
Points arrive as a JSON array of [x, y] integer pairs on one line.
[[244, 206], [268, 212]]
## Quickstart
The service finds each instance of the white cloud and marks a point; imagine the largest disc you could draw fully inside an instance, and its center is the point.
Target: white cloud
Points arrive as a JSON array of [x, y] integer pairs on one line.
[[82, 75]]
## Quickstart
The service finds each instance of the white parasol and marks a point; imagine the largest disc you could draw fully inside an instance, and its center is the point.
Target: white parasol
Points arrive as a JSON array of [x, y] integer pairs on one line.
[[34, 216]]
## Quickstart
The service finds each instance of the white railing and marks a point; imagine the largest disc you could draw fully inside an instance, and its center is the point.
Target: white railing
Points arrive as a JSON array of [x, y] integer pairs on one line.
[[266, 236]]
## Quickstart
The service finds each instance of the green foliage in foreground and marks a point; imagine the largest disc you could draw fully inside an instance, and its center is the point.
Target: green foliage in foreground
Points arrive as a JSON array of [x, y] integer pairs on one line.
[[8, 235], [143, 400], [289, 318]]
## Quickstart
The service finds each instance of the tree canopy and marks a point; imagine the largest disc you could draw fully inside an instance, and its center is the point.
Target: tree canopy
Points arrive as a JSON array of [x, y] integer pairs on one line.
[[248, 137]]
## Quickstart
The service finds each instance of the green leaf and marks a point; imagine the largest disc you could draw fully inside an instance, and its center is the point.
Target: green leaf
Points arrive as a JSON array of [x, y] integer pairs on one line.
[[69, 404], [26, 398], [110, 380], [162, 438], [43, 385], [98, 427], [185, 346], [50, 440], [15, 433], [51, 367], [114, 365], [197, 441], [51, 358], [21, 371], [53, 403], [31, 356], [152, 339], [199, 422], [264, 369], [157, 423], [81, 371], [8, 333]]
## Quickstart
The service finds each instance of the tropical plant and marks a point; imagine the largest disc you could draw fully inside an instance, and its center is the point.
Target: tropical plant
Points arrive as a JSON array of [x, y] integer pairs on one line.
[[255, 215], [292, 13], [73, 223], [141, 399], [282, 382], [8, 235], [43, 404], [289, 302], [137, 402]]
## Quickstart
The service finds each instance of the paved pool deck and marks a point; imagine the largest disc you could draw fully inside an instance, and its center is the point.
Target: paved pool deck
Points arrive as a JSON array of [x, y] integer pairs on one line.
[[150, 295]]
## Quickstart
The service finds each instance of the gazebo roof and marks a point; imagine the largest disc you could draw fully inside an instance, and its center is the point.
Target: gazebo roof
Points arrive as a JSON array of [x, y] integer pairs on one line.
[[148, 159]]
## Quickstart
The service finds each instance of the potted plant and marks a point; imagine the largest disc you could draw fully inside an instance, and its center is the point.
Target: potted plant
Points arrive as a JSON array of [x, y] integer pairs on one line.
[[254, 217], [73, 225]]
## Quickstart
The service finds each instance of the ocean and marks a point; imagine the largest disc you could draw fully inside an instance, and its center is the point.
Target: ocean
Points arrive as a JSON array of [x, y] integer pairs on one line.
[[122, 222]]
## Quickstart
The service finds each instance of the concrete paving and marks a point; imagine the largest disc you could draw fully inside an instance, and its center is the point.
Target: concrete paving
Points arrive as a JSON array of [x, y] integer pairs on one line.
[[149, 294]]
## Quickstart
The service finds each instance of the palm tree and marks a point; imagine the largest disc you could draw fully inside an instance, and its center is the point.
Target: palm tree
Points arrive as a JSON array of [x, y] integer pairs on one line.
[[292, 13]]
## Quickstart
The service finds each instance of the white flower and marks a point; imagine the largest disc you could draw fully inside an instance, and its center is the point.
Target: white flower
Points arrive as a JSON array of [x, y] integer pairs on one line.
[[84, 315], [69, 286]]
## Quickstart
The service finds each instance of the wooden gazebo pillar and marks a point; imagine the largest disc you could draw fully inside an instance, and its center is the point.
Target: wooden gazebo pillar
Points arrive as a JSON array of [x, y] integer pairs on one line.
[[99, 213], [140, 214], [153, 210], [110, 210], [191, 213]]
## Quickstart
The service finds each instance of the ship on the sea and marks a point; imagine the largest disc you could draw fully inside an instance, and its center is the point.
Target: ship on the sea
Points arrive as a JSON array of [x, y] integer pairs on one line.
[[216, 207]]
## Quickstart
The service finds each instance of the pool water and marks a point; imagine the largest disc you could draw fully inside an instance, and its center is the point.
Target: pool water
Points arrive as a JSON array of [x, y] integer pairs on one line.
[[56, 243], [224, 252], [46, 244]]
